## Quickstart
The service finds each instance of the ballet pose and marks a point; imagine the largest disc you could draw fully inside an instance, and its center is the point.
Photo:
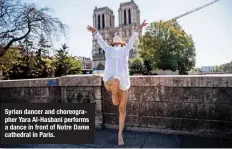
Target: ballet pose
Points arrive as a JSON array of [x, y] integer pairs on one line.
[[116, 74]]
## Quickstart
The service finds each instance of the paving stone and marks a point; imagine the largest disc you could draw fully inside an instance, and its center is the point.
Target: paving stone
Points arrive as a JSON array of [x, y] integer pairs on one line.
[[107, 138], [162, 141], [131, 139], [199, 142], [226, 143], [76, 146], [102, 138], [17, 145]]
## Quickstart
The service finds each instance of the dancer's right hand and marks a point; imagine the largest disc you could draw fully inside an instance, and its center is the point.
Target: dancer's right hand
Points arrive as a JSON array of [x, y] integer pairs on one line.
[[91, 29]]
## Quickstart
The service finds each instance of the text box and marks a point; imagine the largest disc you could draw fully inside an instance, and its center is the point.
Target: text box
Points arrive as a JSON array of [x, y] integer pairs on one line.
[[50, 123]]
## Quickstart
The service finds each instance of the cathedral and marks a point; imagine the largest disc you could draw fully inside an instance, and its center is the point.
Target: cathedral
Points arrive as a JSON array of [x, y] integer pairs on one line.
[[104, 22]]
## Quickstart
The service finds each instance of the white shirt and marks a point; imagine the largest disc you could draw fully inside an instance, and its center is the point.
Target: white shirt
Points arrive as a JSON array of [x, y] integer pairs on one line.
[[116, 64]]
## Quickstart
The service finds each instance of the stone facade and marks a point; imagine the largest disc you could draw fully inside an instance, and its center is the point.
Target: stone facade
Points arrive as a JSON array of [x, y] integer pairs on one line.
[[104, 21], [85, 62], [197, 105]]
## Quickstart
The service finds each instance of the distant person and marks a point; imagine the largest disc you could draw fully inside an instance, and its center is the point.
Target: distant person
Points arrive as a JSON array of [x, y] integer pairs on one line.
[[116, 74]]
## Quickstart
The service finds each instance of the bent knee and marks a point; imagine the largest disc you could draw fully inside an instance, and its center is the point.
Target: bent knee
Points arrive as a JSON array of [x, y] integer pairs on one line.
[[122, 109]]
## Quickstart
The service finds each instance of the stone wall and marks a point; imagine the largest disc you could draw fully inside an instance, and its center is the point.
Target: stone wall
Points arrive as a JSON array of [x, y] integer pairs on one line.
[[83, 89], [198, 105], [68, 89], [30, 91]]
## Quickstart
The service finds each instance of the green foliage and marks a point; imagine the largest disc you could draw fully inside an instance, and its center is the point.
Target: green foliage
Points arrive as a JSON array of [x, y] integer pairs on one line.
[[168, 47], [66, 64], [136, 66], [32, 64], [148, 66], [42, 57], [74, 65], [27, 65], [23, 69], [9, 59], [227, 67], [37, 64], [42, 47]]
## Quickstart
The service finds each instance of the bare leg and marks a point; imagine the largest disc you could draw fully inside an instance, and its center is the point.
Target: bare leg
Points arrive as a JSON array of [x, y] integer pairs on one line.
[[122, 115], [112, 85], [114, 88]]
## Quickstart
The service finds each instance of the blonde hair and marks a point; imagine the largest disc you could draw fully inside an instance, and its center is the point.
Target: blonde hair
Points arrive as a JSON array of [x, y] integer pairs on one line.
[[122, 44]]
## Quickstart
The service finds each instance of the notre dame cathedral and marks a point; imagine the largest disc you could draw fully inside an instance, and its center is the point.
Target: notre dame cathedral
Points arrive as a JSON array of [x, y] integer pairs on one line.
[[104, 22]]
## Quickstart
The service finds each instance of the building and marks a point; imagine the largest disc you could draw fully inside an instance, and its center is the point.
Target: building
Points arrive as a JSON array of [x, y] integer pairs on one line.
[[208, 69], [104, 22], [86, 63]]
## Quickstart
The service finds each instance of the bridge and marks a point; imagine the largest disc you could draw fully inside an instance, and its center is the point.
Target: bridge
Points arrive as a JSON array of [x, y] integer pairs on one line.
[[162, 111]]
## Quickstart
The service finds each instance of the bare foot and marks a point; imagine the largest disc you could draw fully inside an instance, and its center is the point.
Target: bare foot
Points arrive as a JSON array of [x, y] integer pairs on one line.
[[120, 141]]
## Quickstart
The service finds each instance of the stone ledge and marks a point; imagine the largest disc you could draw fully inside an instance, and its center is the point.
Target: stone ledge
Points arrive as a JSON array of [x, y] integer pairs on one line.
[[183, 80], [70, 80], [96, 80], [40, 82], [80, 80]]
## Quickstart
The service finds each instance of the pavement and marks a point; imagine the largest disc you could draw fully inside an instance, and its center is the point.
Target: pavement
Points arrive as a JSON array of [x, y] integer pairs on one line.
[[107, 138]]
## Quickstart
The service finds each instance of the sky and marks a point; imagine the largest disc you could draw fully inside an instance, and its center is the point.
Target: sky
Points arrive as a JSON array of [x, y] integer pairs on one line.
[[210, 27]]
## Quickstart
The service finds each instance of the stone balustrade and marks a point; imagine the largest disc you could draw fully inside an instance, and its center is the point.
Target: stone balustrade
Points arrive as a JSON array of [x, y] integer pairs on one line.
[[197, 105]]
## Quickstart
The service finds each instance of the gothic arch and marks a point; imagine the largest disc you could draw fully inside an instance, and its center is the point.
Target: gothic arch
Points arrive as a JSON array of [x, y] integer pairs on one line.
[[110, 20], [98, 22], [100, 66], [125, 21], [103, 21], [129, 16]]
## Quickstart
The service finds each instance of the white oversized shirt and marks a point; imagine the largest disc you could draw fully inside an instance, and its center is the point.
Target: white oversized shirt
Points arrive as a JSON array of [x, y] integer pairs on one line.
[[116, 64]]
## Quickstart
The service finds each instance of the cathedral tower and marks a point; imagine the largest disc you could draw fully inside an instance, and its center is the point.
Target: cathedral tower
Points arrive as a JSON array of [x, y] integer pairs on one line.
[[104, 22], [129, 19]]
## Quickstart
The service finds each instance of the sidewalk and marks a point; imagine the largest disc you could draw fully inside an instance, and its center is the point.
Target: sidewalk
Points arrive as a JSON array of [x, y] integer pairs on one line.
[[107, 138]]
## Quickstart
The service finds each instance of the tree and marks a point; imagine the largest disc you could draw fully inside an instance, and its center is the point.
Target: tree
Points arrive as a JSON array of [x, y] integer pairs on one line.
[[26, 62], [60, 61], [26, 51], [148, 66], [136, 67], [168, 46], [66, 64], [42, 57], [42, 47], [227, 67], [74, 65], [20, 20], [29, 64], [8, 61]]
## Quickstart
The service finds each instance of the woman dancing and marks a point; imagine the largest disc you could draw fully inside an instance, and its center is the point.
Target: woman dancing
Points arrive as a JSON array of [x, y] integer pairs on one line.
[[116, 74]]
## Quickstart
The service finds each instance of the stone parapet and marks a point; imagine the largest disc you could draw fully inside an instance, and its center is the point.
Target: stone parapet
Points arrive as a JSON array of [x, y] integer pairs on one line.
[[199, 105], [183, 81]]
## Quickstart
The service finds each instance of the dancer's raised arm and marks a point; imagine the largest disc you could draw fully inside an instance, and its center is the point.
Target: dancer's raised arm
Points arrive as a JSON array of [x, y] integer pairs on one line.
[[134, 36], [99, 38]]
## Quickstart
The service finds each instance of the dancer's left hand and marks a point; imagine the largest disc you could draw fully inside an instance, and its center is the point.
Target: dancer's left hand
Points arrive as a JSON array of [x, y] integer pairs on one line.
[[143, 24]]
